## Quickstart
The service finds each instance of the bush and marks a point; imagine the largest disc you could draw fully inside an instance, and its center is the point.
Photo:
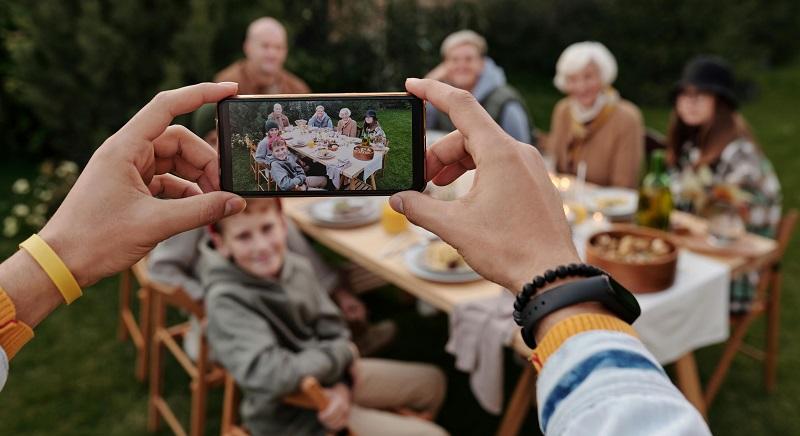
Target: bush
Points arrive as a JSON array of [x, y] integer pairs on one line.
[[76, 70]]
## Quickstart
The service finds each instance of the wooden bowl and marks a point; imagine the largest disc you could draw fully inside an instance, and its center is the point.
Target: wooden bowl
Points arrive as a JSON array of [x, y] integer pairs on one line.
[[653, 275], [361, 152]]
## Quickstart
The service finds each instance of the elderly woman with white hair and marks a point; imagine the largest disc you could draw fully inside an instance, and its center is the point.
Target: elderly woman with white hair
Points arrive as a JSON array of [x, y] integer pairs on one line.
[[593, 124], [465, 65], [278, 117], [346, 125]]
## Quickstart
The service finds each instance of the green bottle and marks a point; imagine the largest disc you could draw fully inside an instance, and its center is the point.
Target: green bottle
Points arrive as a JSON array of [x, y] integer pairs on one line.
[[655, 197]]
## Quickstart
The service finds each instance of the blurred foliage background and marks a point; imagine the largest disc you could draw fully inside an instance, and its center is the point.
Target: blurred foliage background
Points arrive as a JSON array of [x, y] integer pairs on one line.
[[74, 70]]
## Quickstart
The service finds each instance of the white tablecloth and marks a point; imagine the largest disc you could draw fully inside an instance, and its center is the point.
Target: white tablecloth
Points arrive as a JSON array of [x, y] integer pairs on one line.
[[692, 313]]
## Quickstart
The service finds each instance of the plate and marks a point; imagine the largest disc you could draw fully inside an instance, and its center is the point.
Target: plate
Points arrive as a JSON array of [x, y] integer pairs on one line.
[[324, 213], [326, 154], [415, 261], [614, 202]]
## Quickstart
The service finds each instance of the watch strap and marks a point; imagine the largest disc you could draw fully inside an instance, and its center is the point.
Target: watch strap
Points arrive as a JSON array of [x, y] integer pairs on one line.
[[602, 289]]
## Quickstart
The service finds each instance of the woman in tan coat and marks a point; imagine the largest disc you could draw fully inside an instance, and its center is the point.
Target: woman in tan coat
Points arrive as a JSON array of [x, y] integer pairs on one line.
[[346, 125], [593, 124]]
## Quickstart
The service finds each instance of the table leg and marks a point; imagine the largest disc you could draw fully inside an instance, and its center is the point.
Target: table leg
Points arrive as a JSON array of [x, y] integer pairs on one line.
[[689, 381], [520, 404]]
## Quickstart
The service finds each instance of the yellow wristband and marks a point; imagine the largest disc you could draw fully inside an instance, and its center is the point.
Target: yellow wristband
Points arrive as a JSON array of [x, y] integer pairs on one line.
[[570, 327], [53, 266]]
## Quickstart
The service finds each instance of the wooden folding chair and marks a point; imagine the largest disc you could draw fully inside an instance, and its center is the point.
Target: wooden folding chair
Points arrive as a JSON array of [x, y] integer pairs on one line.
[[138, 331], [255, 166], [202, 373], [310, 396], [766, 301]]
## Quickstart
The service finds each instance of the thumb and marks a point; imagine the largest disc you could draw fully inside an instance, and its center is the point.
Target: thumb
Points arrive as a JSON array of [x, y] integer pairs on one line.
[[423, 211], [188, 213]]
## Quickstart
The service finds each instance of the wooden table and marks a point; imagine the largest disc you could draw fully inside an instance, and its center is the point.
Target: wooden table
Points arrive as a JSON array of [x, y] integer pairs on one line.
[[344, 152], [364, 245]]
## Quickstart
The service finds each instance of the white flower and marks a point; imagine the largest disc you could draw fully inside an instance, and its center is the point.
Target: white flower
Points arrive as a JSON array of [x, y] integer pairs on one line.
[[66, 168], [21, 210], [10, 227], [46, 195], [21, 187], [35, 221]]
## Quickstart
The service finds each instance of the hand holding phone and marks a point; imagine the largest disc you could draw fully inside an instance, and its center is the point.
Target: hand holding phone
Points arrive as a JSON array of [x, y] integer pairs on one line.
[[322, 145]]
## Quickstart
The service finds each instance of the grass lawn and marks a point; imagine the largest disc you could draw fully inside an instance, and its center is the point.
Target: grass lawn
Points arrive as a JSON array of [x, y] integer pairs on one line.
[[396, 123], [76, 379]]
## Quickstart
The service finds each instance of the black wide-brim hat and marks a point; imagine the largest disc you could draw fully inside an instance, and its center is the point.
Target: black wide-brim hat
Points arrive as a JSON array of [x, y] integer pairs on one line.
[[709, 74]]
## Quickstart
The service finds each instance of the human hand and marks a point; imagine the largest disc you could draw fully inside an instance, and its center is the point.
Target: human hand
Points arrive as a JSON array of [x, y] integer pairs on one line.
[[352, 308], [335, 416], [510, 226], [147, 182], [439, 72]]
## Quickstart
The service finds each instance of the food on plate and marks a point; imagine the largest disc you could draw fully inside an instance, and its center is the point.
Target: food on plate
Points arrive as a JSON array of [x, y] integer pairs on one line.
[[439, 256], [346, 208], [631, 248], [326, 154], [604, 203]]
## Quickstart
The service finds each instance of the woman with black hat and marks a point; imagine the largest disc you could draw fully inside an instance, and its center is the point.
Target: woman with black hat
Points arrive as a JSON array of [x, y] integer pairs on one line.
[[372, 128], [716, 158]]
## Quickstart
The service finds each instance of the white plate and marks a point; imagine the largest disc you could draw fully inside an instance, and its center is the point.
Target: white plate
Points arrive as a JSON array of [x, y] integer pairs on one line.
[[322, 213], [415, 261], [629, 201]]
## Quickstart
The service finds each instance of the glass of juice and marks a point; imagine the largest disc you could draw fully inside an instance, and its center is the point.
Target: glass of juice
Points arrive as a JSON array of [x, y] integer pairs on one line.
[[393, 222]]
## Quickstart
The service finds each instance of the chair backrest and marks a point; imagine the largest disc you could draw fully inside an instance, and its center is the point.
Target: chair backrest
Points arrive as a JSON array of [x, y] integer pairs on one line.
[[785, 232], [654, 140], [250, 144]]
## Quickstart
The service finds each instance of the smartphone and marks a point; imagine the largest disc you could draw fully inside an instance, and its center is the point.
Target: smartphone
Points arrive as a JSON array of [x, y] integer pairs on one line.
[[321, 144]]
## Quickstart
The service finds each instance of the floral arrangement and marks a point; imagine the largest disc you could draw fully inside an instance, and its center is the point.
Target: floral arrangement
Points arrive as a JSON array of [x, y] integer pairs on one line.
[[34, 201]]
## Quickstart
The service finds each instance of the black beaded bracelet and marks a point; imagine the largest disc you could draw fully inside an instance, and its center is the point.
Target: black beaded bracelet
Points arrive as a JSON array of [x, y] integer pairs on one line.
[[550, 276]]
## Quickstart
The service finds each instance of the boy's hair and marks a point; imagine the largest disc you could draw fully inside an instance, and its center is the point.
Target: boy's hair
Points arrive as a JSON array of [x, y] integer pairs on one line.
[[278, 142], [254, 205]]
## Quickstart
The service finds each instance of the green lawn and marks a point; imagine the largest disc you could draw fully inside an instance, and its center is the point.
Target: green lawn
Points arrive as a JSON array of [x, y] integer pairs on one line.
[[396, 123], [76, 379]]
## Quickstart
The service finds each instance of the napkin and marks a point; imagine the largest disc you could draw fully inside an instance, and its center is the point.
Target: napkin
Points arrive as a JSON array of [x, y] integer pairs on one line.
[[334, 171], [479, 331]]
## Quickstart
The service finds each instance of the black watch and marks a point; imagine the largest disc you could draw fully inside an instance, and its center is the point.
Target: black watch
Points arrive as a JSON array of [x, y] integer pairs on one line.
[[602, 289]]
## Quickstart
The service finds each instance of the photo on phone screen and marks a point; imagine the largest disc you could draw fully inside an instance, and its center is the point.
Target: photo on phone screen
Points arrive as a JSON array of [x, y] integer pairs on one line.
[[334, 144]]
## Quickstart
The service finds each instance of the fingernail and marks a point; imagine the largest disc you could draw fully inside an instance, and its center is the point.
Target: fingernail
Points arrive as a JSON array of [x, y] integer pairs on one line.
[[412, 79], [229, 84], [234, 205], [397, 203]]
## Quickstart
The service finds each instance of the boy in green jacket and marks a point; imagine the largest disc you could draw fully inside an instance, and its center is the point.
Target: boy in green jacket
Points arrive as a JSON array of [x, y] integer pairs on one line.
[[270, 323]]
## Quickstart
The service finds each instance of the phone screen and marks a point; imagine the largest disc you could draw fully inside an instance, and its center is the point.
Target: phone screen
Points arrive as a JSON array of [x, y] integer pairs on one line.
[[318, 145]]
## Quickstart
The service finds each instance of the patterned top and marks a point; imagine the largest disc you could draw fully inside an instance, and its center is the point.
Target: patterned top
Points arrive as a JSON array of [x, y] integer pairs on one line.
[[743, 166], [375, 135]]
